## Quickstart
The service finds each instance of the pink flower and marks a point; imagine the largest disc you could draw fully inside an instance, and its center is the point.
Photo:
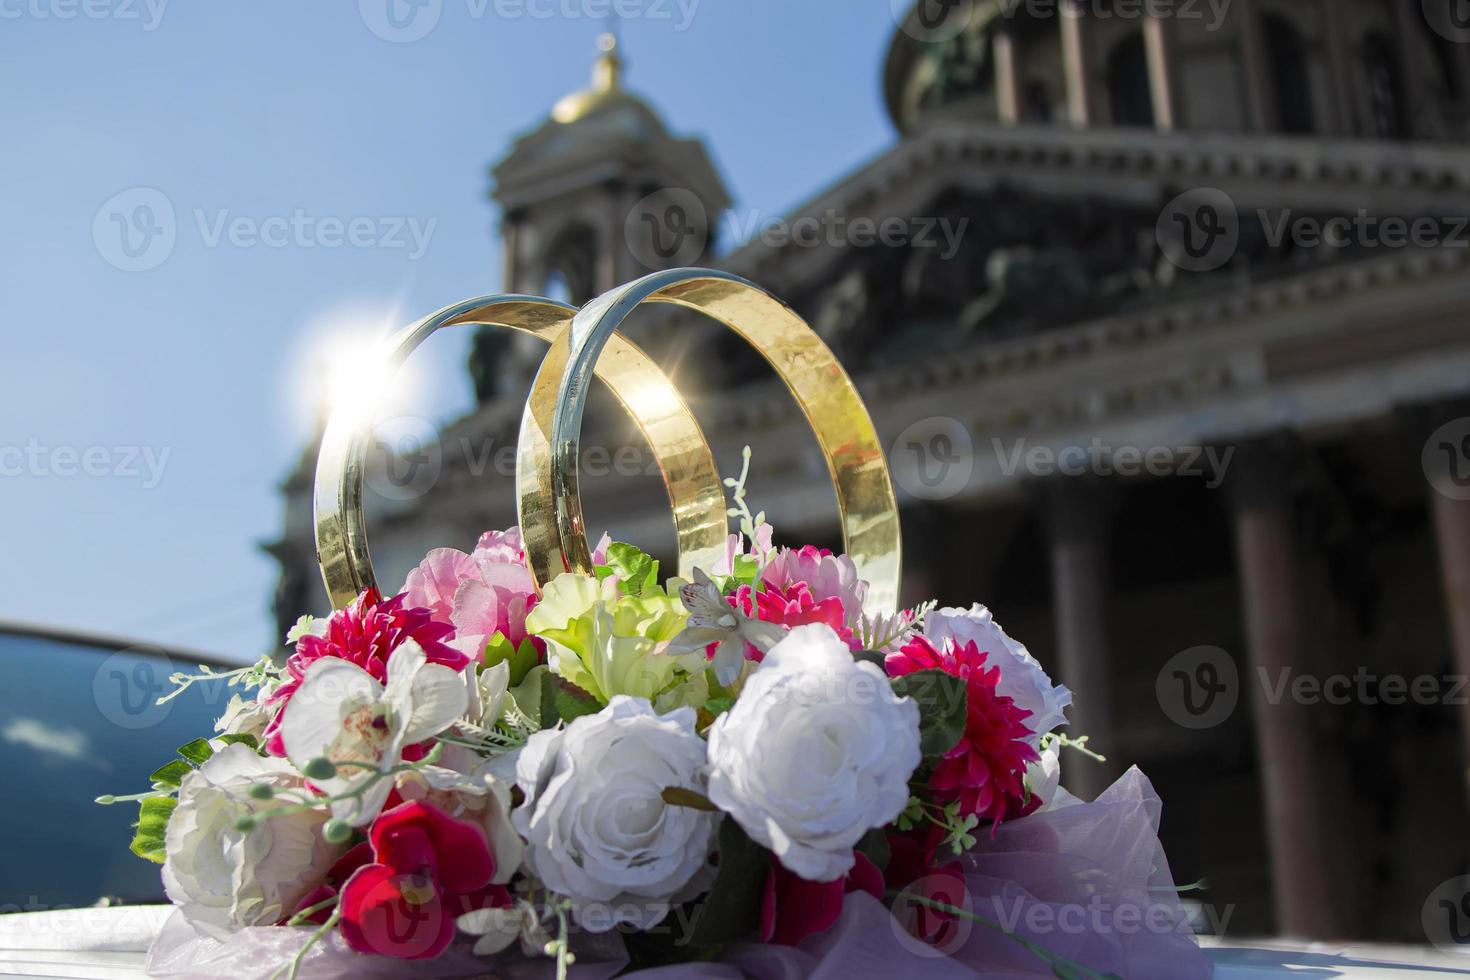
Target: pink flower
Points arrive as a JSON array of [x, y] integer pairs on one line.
[[427, 869], [985, 768], [794, 908], [479, 594], [365, 633], [792, 606], [828, 576], [501, 547], [433, 583], [735, 548]]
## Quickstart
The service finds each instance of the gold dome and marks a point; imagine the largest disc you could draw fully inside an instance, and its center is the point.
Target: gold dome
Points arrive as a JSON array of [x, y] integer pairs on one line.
[[607, 92]]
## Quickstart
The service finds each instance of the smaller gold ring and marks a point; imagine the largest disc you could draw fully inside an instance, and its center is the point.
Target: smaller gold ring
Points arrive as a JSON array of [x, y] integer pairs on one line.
[[551, 508]]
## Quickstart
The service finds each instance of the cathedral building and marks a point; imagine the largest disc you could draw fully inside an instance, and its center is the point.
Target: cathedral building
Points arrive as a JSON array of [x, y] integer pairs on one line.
[[1161, 309]]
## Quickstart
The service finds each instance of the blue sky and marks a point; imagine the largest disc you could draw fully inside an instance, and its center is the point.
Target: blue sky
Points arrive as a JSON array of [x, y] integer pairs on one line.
[[147, 414]]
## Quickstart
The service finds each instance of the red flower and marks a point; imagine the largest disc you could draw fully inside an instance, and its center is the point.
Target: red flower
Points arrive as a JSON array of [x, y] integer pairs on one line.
[[911, 869], [427, 869], [365, 633], [790, 606], [985, 768], [794, 908]]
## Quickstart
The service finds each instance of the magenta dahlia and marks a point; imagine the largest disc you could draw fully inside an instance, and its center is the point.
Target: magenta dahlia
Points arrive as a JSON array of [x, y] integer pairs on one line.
[[790, 606], [365, 633], [985, 769]]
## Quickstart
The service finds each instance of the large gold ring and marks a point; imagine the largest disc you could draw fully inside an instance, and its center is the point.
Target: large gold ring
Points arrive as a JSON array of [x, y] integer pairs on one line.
[[662, 415], [550, 502]]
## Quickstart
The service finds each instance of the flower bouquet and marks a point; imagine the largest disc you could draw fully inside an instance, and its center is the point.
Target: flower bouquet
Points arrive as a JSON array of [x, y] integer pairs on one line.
[[755, 767]]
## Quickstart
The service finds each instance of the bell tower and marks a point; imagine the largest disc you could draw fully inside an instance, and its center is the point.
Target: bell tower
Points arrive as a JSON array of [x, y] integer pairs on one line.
[[598, 194]]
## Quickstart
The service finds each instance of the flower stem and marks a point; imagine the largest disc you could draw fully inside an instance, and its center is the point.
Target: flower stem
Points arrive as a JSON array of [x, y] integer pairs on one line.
[[1060, 965], [294, 964], [300, 917]]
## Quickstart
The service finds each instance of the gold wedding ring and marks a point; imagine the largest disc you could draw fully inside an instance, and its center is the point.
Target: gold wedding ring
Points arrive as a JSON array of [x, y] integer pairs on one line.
[[549, 501], [662, 415]]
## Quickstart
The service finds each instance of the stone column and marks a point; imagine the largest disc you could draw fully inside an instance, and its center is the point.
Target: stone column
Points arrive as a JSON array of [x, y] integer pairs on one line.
[[1007, 75], [1076, 511], [1260, 96], [1460, 55], [1408, 29], [1270, 570], [609, 244], [1163, 74], [509, 260], [1439, 434], [1335, 16], [1076, 62], [625, 264]]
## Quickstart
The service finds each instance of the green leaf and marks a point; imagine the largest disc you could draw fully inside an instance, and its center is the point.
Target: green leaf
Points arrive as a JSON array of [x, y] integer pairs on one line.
[[679, 796], [942, 704], [497, 648], [874, 846], [153, 814], [731, 910], [747, 570], [521, 658], [171, 774], [524, 659], [249, 740], [637, 572], [198, 751], [718, 706], [562, 700], [870, 656]]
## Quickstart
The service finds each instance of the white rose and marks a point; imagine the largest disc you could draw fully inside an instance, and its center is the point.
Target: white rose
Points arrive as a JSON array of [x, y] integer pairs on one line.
[[1022, 678], [596, 825], [224, 879], [817, 750]]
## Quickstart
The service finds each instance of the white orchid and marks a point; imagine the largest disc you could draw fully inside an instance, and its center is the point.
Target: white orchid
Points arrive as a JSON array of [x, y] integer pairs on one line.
[[712, 620], [341, 713], [486, 694], [496, 928]]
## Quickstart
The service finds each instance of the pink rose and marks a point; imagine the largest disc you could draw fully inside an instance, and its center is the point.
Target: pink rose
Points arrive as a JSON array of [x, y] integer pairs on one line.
[[828, 576]]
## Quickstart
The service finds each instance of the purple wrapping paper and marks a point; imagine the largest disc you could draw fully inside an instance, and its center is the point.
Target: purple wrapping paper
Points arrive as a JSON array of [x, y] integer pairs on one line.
[[1088, 881]]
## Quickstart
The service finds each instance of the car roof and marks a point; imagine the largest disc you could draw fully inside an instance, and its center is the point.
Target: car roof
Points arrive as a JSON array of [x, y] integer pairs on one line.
[[112, 641]]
